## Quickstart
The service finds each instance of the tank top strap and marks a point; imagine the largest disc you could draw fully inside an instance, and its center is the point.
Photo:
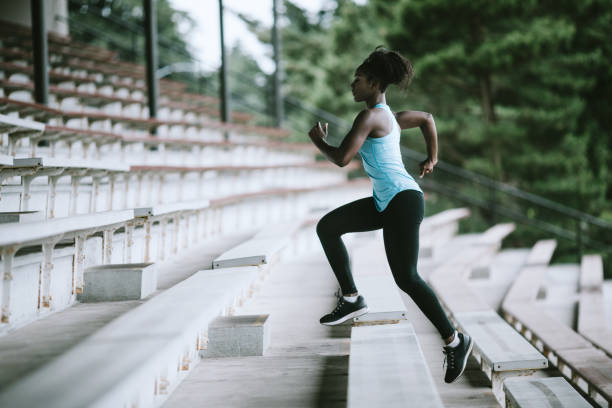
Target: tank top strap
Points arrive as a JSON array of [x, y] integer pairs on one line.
[[388, 109]]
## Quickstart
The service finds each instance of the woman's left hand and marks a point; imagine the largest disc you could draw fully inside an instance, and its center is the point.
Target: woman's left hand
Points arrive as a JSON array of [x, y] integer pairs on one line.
[[318, 132], [427, 167]]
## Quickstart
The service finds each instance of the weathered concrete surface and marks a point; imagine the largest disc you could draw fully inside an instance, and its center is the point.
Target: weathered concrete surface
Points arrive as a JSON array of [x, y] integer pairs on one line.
[[238, 336], [118, 282], [24, 350], [307, 363]]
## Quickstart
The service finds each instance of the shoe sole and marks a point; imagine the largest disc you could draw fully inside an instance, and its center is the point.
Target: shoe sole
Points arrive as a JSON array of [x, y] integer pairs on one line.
[[343, 319], [467, 355]]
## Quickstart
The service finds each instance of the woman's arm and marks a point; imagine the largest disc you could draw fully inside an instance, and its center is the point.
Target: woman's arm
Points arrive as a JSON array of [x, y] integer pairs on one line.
[[425, 121], [343, 154]]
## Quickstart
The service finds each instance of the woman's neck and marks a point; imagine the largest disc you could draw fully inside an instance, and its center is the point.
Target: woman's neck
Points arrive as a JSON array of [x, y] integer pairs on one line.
[[375, 100]]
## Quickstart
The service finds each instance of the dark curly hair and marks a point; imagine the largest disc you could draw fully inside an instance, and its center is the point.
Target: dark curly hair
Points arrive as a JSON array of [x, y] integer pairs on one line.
[[387, 67]]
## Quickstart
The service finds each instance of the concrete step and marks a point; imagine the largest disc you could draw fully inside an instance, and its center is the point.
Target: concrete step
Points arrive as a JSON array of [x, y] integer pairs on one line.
[[26, 349], [387, 369], [152, 347]]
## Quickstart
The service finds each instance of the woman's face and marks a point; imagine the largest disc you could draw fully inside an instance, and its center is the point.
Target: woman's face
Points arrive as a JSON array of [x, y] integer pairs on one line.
[[361, 88]]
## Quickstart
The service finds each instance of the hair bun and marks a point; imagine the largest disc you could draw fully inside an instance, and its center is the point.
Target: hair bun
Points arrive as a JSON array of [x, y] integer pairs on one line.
[[387, 67]]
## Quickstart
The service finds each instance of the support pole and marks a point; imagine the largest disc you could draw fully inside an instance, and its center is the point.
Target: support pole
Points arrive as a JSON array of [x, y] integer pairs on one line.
[[40, 51], [151, 54], [278, 96], [225, 113]]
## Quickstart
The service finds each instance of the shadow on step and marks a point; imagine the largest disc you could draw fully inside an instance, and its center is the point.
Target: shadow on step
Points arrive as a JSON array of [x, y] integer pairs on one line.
[[333, 383], [473, 375], [341, 331]]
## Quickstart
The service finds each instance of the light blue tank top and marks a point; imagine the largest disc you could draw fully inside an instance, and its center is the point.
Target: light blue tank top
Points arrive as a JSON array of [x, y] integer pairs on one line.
[[382, 161]]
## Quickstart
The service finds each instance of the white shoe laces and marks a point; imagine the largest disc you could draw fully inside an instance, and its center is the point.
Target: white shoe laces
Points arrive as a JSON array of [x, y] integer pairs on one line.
[[339, 305]]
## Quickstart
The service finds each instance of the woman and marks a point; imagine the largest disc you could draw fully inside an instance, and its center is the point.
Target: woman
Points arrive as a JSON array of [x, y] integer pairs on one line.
[[397, 205]]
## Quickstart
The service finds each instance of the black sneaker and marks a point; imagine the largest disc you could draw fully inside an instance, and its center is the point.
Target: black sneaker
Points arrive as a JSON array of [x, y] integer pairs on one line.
[[457, 357], [345, 310]]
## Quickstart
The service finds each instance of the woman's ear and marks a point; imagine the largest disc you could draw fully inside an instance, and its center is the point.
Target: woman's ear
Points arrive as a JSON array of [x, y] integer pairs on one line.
[[374, 83]]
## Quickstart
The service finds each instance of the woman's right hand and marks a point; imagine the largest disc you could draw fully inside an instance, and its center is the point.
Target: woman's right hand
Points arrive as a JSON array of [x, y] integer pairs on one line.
[[427, 166]]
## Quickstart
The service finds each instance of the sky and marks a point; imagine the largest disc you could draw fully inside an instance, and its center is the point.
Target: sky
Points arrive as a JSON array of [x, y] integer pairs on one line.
[[205, 42]]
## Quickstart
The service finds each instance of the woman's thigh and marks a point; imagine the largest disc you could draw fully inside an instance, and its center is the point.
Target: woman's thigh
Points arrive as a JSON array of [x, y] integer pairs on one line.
[[402, 219], [356, 216]]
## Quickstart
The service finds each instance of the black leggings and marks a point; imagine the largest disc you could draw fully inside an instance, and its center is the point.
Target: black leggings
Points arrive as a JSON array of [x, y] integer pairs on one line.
[[400, 222]]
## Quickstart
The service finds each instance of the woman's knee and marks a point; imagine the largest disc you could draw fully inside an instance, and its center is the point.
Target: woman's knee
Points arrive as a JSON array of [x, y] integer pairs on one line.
[[325, 227], [408, 279]]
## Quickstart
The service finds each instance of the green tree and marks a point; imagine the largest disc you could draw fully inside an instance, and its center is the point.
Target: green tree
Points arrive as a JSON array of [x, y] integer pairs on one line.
[[118, 25]]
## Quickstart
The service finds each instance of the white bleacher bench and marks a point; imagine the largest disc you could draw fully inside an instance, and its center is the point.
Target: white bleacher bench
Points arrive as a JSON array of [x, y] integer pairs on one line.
[[47, 234], [69, 136], [527, 285], [162, 213], [6, 160], [205, 152], [539, 256], [449, 279], [382, 296], [271, 243], [189, 182], [542, 392], [542, 252], [438, 229], [122, 101], [495, 235], [138, 358], [119, 123], [576, 358], [263, 248], [500, 350], [120, 242], [387, 368], [592, 322], [17, 128], [30, 168]]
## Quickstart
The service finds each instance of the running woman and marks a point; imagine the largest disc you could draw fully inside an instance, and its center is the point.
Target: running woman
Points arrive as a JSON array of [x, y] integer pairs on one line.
[[397, 205]]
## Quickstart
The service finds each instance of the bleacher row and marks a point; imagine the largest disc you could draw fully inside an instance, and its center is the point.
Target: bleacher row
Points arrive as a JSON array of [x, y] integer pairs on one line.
[[92, 181], [91, 177], [511, 343]]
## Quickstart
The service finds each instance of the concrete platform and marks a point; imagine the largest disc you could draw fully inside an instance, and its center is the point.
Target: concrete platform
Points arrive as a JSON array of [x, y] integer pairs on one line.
[[238, 336]]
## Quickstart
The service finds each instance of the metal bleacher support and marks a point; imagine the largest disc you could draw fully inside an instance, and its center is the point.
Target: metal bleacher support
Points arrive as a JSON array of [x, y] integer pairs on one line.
[[47, 234]]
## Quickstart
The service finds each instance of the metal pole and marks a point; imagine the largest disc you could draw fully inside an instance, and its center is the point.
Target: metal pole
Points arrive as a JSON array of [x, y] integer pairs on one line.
[[40, 51], [579, 246], [151, 54], [225, 112], [278, 96]]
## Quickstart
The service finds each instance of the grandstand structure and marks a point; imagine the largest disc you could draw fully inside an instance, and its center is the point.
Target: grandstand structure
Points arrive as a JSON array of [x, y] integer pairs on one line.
[[123, 238]]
